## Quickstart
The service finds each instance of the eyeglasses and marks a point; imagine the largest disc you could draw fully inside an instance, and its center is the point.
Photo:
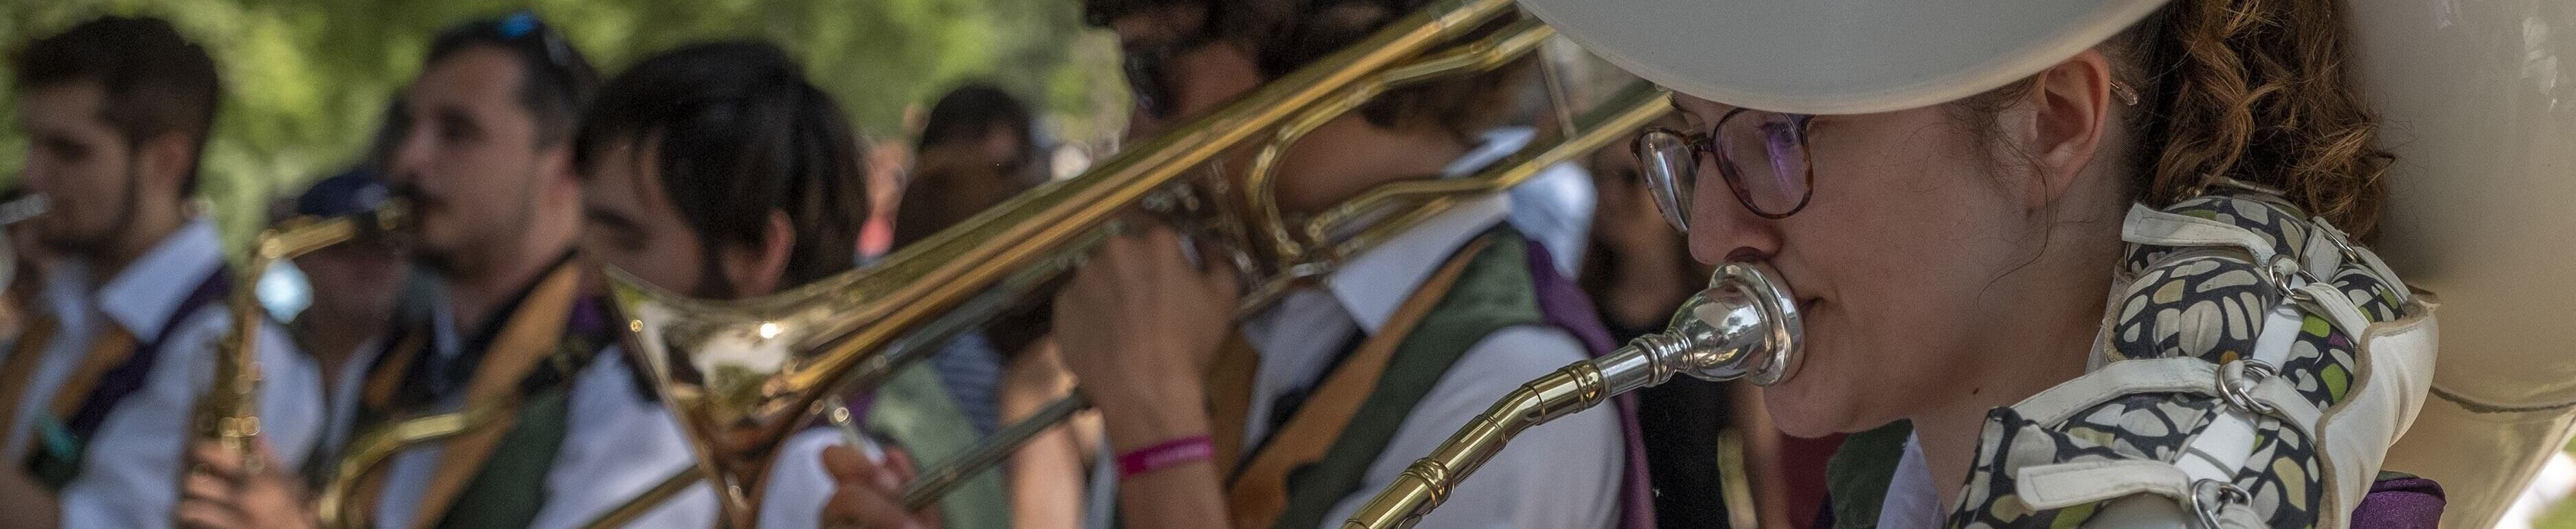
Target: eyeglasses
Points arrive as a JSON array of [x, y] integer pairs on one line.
[[1149, 75], [1762, 155]]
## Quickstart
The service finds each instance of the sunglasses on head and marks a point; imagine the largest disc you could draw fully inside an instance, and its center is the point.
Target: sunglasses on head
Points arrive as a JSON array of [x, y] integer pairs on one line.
[[1149, 74], [523, 28]]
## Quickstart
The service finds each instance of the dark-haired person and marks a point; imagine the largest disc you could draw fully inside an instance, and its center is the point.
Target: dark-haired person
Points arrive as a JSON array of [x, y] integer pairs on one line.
[[1324, 397], [97, 394], [488, 162], [978, 147], [718, 171]]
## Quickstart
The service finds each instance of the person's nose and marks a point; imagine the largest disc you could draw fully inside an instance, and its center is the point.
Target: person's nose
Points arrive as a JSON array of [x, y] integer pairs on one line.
[[1722, 228]]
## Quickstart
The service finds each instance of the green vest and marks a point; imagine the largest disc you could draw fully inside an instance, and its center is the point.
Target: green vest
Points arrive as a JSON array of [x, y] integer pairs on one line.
[[511, 488], [1857, 477], [1492, 293], [914, 409]]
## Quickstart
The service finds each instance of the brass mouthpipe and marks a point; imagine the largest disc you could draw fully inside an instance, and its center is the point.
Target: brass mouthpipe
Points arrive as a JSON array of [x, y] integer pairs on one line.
[[1745, 325]]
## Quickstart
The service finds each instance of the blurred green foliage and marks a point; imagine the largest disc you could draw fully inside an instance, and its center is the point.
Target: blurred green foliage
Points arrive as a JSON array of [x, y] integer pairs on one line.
[[307, 80]]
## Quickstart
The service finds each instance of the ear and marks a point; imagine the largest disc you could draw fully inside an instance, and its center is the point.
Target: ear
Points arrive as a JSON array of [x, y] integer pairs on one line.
[[559, 180], [762, 270], [2069, 114], [162, 164]]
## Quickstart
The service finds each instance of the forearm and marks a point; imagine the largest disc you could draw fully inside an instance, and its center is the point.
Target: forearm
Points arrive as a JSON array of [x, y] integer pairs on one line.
[[1046, 482], [24, 503]]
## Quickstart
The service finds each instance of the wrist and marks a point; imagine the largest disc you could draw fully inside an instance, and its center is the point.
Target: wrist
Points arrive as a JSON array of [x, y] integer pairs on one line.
[[1135, 421]]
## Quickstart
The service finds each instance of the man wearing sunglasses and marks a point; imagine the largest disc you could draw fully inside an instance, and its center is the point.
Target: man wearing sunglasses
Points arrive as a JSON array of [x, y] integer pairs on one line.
[[488, 165], [1296, 416]]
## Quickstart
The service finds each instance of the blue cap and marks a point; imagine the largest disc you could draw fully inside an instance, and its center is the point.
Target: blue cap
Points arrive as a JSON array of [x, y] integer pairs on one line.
[[351, 192]]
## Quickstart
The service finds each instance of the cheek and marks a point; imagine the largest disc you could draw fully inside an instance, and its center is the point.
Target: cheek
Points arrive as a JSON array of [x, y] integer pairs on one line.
[[670, 264], [1898, 249]]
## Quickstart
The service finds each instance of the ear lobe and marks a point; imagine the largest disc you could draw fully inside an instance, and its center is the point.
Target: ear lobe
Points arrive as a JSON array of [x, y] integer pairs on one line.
[[2071, 105], [164, 161], [762, 270]]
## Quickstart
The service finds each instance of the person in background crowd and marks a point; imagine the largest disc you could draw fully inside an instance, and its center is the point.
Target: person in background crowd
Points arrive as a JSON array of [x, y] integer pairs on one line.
[[978, 148], [96, 396], [370, 289]]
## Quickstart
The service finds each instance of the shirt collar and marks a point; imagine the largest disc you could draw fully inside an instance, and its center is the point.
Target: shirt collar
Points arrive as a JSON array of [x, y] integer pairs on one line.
[[1375, 281], [142, 297]]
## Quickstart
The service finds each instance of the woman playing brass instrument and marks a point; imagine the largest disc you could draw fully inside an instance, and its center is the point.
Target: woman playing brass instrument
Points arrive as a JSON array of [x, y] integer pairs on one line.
[[2102, 257]]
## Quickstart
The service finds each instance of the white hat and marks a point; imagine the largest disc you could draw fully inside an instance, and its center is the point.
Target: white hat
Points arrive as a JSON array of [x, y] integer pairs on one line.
[[1837, 56]]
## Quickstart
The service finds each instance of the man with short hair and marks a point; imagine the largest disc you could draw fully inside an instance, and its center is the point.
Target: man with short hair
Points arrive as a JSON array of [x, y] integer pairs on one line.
[[487, 162], [718, 171], [98, 395]]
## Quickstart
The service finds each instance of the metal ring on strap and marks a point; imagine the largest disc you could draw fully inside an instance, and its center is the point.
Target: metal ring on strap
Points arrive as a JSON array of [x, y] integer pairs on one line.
[[2209, 496], [2236, 381]]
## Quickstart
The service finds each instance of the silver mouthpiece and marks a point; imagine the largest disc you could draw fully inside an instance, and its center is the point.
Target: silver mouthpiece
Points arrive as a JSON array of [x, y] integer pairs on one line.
[[1744, 325], [22, 208]]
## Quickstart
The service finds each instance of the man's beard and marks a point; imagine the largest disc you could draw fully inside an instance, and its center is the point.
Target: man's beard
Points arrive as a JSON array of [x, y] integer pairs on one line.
[[96, 244]]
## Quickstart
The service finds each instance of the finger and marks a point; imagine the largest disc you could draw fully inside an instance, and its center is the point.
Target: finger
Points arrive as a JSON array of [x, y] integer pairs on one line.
[[209, 515], [864, 507], [847, 465], [211, 458], [207, 488], [899, 469]]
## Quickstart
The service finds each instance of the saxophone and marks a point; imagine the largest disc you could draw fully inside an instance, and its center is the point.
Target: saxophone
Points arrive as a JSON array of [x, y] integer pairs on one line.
[[229, 412]]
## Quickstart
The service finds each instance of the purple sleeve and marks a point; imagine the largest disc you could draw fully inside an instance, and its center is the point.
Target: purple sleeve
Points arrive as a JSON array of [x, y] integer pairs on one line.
[[2405, 502]]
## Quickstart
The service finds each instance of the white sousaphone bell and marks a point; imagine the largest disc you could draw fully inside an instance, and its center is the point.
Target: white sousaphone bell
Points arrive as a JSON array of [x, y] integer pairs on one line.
[[2478, 100]]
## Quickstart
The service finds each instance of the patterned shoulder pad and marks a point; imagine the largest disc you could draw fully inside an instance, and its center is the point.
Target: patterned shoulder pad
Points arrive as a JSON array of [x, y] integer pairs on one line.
[[2240, 327]]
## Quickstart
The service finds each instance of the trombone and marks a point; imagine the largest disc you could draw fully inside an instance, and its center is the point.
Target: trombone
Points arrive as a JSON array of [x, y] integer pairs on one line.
[[741, 374], [229, 412]]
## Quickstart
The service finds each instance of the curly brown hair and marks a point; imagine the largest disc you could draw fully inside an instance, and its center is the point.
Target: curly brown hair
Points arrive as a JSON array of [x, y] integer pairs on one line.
[[2254, 90]]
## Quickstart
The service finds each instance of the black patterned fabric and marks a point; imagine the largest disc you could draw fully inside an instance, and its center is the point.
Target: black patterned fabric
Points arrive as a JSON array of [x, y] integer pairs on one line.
[[2197, 302]]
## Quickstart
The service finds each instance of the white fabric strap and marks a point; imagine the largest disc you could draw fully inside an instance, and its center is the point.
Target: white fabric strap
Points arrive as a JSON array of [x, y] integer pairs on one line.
[[2065, 485], [2320, 229], [2338, 308], [2148, 226], [2148, 375], [2324, 253]]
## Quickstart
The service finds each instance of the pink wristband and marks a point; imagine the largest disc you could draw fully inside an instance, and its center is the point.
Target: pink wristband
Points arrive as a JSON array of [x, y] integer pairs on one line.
[[1164, 455]]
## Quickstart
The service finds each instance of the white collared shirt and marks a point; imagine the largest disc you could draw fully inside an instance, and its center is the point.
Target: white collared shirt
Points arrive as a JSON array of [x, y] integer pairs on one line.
[[130, 474], [1912, 501], [1553, 207], [615, 446], [1564, 474]]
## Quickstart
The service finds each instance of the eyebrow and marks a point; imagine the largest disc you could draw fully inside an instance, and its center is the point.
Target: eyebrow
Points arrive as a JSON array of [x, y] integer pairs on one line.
[[454, 116], [613, 220]]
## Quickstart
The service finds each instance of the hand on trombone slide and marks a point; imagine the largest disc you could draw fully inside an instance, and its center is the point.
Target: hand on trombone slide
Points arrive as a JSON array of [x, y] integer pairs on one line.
[[868, 495]]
